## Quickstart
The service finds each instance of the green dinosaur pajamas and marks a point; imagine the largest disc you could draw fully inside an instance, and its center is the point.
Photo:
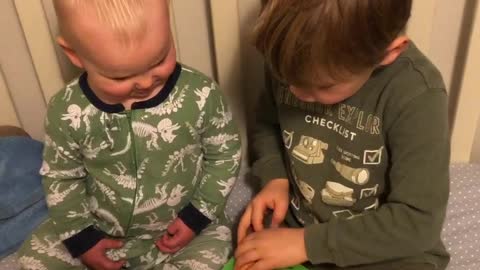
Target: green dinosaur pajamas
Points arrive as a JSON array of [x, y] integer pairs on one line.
[[209, 250], [109, 172]]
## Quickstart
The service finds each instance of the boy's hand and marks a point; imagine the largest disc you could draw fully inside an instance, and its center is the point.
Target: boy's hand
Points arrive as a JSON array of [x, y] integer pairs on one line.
[[273, 196], [271, 249], [96, 258], [178, 236]]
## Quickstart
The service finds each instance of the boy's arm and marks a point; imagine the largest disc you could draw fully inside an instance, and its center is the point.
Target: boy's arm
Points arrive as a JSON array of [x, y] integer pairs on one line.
[[221, 149], [266, 139], [410, 220], [64, 184]]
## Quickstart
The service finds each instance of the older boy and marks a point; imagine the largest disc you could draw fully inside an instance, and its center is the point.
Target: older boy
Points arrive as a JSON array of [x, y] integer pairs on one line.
[[352, 141]]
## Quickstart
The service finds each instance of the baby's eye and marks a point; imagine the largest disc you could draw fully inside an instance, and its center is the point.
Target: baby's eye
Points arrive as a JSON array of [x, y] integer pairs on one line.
[[120, 79], [159, 62]]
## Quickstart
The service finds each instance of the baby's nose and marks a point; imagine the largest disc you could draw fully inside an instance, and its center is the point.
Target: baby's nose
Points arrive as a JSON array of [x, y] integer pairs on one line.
[[145, 82]]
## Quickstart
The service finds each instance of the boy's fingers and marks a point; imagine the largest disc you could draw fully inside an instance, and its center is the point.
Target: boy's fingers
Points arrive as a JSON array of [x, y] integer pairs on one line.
[[261, 265], [258, 213], [244, 247], [247, 266], [246, 259], [279, 213], [244, 224]]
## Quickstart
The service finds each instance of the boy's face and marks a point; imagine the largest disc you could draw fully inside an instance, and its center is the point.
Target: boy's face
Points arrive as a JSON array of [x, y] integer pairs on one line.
[[124, 74], [330, 91]]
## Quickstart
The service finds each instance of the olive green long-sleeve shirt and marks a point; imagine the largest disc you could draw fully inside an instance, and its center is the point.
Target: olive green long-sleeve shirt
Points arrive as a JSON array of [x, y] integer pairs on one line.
[[369, 175]]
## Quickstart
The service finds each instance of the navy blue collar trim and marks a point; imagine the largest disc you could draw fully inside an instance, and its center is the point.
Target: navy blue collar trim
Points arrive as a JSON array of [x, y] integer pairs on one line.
[[116, 108]]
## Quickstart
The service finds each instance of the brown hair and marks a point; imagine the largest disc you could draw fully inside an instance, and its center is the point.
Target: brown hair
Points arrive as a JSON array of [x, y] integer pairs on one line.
[[339, 36]]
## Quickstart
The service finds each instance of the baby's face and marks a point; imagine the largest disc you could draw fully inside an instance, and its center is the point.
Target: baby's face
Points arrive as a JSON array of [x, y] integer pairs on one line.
[[122, 74]]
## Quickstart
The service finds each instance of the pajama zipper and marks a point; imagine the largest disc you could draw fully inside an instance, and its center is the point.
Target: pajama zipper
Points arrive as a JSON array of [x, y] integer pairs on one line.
[[134, 151]]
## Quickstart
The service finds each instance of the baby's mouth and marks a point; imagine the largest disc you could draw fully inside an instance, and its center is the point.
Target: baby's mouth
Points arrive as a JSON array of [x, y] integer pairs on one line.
[[143, 93]]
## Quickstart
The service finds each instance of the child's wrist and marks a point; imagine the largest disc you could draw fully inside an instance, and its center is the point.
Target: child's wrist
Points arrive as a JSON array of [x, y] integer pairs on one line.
[[279, 183]]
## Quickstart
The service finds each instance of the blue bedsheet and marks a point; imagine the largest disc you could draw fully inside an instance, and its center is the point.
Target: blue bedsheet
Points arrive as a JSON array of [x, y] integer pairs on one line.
[[22, 201]]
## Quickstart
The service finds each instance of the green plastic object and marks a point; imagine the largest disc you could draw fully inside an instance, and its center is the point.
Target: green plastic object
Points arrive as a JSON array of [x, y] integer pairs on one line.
[[231, 264]]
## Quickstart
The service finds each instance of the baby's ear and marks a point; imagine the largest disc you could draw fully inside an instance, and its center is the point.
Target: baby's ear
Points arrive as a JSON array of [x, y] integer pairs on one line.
[[70, 52], [396, 48]]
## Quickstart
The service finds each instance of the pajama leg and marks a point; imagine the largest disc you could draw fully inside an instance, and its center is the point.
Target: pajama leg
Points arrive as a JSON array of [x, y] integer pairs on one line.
[[43, 250]]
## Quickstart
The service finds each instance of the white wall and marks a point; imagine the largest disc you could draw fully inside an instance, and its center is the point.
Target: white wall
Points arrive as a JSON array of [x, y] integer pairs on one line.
[[466, 133], [436, 27], [192, 28], [20, 76], [8, 116], [213, 36]]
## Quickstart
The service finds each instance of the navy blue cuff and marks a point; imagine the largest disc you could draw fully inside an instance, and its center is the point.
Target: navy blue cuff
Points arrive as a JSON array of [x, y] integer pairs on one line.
[[193, 218], [83, 241]]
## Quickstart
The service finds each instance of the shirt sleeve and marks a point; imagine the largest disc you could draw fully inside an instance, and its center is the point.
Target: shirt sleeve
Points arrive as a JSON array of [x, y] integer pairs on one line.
[[266, 140], [221, 148], [409, 222], [64, 178]]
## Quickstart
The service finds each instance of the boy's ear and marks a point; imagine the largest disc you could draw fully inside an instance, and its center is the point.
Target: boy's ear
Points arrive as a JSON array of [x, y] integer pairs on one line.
[[397, 47], [70, 52]]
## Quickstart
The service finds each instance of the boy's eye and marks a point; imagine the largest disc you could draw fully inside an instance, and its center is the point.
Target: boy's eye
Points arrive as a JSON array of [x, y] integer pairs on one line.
[[325, 87]]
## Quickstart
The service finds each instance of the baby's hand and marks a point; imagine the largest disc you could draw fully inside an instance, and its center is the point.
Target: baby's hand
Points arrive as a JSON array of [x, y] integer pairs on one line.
[[96, 258], [178, 236]]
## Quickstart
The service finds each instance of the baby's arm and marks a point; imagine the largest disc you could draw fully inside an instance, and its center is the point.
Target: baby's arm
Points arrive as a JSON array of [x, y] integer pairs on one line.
[[221, 162], [64, 179], [220, 143]]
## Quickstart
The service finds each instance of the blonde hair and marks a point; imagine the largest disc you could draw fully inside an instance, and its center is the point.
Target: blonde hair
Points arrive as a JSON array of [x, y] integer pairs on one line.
[[338, 37], [125, 18]]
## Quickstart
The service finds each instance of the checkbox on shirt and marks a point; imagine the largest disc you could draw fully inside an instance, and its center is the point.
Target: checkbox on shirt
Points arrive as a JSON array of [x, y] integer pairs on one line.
[[372, 157]]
